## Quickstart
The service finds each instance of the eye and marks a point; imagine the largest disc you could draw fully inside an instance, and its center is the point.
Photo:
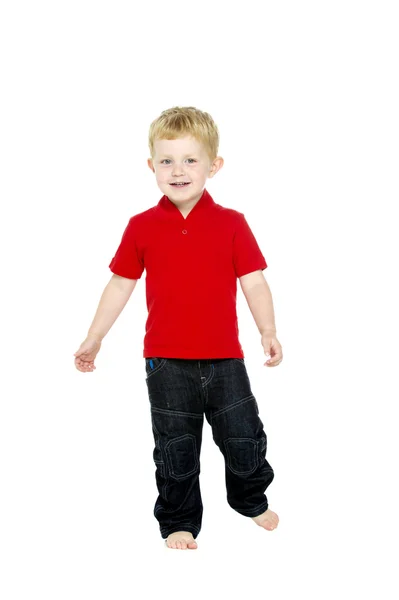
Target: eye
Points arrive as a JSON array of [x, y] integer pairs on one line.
[[167, 160]]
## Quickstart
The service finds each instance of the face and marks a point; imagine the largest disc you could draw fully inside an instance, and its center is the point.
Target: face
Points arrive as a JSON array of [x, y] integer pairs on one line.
[[182, 160]]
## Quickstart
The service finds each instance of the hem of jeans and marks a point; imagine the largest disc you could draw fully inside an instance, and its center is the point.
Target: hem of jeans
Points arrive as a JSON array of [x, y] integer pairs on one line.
[[253, 512], [182, 527]]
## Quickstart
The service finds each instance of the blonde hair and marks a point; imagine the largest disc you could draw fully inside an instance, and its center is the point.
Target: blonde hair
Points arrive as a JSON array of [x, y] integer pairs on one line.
[[180, 121]]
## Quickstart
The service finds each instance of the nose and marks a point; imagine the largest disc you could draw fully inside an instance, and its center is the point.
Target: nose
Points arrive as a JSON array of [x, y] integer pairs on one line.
[[177, 170]]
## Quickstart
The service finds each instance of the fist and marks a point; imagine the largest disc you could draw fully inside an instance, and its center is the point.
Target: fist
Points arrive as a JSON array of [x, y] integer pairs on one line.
[[84, 357]]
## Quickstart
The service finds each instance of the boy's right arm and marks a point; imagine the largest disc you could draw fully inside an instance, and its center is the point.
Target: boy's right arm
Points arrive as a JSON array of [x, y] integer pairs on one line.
[[113, 300]]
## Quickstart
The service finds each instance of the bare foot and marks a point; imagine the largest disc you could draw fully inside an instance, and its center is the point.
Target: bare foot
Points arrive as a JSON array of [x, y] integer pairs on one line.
[[269, 520], [181, 540]]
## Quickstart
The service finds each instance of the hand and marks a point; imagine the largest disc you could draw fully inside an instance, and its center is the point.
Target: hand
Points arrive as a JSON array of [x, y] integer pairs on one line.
[[84, 357], [272, 348]]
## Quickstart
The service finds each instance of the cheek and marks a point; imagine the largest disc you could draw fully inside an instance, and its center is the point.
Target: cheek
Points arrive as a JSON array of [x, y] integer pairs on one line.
[[200, 172], [161, 176]]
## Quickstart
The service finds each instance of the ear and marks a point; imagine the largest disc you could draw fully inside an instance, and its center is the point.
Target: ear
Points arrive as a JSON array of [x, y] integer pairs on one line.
[[151, 164], [216, 166]]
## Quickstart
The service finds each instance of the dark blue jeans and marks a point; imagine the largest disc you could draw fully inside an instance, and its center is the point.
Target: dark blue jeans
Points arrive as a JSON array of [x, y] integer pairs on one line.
[[180, 392]]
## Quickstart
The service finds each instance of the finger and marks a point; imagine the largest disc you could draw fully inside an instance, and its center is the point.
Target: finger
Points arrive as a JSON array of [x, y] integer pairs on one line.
[[273, 362], [273, 359]]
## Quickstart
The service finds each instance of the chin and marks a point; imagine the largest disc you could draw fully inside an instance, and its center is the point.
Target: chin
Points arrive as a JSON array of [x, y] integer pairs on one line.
[[179, 195]]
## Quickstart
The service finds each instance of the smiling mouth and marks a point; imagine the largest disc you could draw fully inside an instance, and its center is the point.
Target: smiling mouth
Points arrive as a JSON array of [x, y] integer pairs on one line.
[[180, 185]]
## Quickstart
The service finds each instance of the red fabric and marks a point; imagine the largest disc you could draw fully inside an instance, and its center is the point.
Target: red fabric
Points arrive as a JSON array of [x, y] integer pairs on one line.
[[192, 266]]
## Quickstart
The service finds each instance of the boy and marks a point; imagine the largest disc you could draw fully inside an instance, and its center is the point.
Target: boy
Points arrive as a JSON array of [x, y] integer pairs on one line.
[[193, 251]]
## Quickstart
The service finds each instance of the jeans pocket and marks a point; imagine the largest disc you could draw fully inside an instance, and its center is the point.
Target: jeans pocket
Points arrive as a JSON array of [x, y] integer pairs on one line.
[[153, 365]]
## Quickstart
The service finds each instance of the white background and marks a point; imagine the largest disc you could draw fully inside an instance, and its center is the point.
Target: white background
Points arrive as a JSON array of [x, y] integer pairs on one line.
[[305, 95]]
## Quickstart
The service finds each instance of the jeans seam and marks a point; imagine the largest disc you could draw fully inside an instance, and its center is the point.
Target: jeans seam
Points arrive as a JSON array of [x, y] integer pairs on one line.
[[238, 403], [178, 413]]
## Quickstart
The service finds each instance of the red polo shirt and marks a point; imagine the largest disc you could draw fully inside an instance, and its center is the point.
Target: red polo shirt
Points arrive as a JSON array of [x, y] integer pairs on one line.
[[192, 265]]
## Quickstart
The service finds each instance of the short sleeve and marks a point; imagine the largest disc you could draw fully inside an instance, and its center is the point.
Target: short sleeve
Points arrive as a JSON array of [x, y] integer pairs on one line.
[[247, 255], [128, 261]]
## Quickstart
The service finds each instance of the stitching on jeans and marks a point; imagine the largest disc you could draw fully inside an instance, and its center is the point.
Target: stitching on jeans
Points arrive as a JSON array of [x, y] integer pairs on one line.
[[184, 525], [238, 403], [229, 455], [162, 363], [255, 511], [179, 413], [210, 376], [169, 454], [165, 468]]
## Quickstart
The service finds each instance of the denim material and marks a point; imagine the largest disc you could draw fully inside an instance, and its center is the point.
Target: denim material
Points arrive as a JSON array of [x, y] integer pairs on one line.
[[180, 392]]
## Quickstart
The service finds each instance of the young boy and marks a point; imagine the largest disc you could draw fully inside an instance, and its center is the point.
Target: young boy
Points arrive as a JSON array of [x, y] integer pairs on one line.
[[193, 251]]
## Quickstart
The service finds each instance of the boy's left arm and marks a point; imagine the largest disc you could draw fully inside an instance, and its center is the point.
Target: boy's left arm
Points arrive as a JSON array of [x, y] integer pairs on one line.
[[257, 293]]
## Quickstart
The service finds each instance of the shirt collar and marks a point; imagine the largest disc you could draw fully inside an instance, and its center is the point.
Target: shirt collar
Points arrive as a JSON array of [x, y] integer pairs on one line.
[[204, 203]]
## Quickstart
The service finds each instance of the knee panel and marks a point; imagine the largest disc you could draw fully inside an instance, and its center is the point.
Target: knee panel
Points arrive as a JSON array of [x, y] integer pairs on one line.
[[241, 455], [182, 456]]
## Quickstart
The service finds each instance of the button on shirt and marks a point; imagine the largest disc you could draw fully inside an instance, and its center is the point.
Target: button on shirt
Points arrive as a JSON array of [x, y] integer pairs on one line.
[[192, 265]]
